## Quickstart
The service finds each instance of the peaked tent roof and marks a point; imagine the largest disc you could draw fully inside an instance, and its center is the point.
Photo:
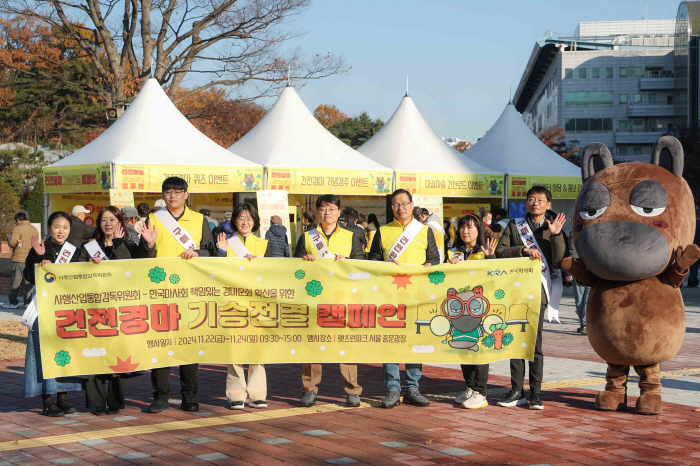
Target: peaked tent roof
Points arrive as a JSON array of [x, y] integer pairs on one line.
[[406, 142], [510, 147], [290, 136], [153, 131]]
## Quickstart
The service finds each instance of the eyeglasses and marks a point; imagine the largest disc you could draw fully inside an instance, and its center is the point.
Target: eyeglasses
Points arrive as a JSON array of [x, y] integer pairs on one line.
[[244, 220], [398, 206], [174, 193], [330, 210], [533, 200]]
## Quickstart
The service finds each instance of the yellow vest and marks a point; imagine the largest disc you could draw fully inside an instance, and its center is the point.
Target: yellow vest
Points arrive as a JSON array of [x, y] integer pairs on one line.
[[166, 244], [415, 253], [371, 240], [474, 257], [256, 246], [340, 242]]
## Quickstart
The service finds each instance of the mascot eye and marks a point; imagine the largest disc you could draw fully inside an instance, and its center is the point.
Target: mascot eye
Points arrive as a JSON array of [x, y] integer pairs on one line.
[[648, 211], [591, 214]]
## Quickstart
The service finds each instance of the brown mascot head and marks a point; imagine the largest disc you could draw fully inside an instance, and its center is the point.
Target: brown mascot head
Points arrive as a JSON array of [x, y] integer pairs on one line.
[[629, 218]]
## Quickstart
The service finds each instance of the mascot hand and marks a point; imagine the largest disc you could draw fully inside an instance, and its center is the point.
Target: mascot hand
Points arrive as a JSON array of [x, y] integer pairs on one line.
[[576, 268], [684, 259]]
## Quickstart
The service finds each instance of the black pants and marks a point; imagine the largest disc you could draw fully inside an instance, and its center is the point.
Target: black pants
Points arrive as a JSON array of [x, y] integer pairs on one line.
[[476, 376], [96, 396], [189, 382], [517, 366]]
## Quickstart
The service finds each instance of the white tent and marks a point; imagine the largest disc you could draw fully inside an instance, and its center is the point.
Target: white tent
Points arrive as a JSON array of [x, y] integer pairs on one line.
[[422, 160], [303, 157]]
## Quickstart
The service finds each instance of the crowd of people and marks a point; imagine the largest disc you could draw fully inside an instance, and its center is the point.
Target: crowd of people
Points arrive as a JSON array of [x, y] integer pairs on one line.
[[330, 232]]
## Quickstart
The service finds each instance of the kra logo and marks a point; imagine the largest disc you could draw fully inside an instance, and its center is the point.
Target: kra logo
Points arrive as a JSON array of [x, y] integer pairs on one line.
[[496, 273], [49, 277]]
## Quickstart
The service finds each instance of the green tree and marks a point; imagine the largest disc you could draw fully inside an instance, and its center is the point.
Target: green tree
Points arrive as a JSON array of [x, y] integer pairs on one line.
[[357, 130], [34, 201], [9, 204], [20, 172]]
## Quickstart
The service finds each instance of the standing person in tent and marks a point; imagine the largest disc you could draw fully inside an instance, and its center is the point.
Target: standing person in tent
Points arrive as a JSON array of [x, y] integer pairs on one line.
[[329, 241], [543, 228], [175, 231], [244, 244], [433, 221], [404, 241], [372, 227], [56, 249], [111, 243]]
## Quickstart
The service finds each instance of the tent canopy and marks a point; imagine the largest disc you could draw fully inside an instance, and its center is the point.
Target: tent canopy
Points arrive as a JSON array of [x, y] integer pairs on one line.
[[407, 143], [290, 136], [511, 147], [153, 131]]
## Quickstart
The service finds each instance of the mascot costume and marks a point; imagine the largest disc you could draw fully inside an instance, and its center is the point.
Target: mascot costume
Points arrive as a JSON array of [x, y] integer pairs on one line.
[[633, 229]]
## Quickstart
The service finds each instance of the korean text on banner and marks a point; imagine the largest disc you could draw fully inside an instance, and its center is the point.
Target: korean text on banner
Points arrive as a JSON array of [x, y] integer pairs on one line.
[[430, 202], [77, 178], [450, 184], [200, 178], [329, 181], [120, 316], [121, 198], [273, 203]]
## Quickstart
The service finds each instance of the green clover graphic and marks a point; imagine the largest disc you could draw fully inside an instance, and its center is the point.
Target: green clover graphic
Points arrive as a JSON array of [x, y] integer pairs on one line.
[[156, 274], [437, 277], [174, 279], [299, 274], [314, 288], [62, 358], [488, 341], [500, 294]]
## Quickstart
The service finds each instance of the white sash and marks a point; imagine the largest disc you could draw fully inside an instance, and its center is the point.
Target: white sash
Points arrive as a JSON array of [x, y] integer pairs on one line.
[[175, 229], [235, 243], [409, 233], [65, 254], [320, 245], [551, 280], [95, 250]]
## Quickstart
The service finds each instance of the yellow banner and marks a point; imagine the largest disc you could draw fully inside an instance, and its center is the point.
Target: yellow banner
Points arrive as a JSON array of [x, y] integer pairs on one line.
[[200, 178], [77, 178], [460, 210], [94, 203], [561, 187], [329, 181], [125, 315], [450, 184]]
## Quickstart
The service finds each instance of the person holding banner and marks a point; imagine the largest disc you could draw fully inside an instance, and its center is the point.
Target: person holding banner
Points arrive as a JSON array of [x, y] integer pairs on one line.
[[538, 235], [244, 244], [404, 241], [175, 231], [55, 250], [471, 244], [109, 244], [329, 241]]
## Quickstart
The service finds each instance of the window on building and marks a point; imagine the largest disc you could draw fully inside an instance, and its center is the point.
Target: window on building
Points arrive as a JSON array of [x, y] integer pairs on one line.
[[568, 73], [582, 124], [609, 72], [569, 99], [582, 73], [595, 73], [637, 123], [637, 98], [638, 72], [622, 125], [669, 99], [607, 99], [652, 98], [653, 124], [595, 125], [595, 99], [622, 151], [582, 99], [637, 150], [623, 98], [623, 72], [607, 124], [570, 124]]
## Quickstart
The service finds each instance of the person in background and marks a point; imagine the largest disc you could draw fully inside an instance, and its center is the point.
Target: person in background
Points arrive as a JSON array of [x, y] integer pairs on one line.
[[424, 214], [486, 220], [159, 204], [693, 273], [351, 219], [43, 253], [226, 226], [434, 223], [79, 231], [361, 220], [417, 211], [212, 223], [372, 227], [277, 236], [20, 242], [143, 210], [580, 292], [500, 221], [308, 221], [131, 218]]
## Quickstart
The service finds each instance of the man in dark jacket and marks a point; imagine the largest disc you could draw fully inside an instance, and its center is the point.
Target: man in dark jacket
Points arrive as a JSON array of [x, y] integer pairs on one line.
[[348, 220], [547, 230], [277, 236], [80, 233]]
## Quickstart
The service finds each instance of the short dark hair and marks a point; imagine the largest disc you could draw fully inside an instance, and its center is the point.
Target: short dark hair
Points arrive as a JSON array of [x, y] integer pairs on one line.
[[21, 216], [485, 213], [361, 218], [417, 211], [470, 219], [174, 183], [57, 214], [351, 214], [500, 212], [309, 216], [120, 217], [205, 212], [401, 191], [424, 211], [143, 209], [243, 206], [327, 199], [539, 190]]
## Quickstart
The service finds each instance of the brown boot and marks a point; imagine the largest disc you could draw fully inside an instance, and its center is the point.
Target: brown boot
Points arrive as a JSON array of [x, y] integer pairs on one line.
[[649, 401], [614, 398]]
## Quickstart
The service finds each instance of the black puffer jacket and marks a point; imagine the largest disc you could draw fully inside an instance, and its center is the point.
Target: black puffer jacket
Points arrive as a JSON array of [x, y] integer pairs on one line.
[[277, 237]]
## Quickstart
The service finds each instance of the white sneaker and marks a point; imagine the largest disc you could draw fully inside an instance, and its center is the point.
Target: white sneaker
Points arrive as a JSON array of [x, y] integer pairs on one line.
[[10, 306], [464, 396], [476, 401]]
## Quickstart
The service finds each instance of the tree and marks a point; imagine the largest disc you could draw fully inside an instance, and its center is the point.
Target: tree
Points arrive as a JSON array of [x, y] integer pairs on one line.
[[34, 201], [462, 146], [556, 140], [328, 115], [9, 205], [357, 130], [230, 43]]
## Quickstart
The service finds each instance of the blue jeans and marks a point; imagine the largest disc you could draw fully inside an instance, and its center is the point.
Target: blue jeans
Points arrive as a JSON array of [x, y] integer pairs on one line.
[[581, 298], [392, 376]]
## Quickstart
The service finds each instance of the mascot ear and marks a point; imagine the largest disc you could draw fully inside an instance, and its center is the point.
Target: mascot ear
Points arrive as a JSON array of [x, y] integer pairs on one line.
[[668, 153], [596, 157]]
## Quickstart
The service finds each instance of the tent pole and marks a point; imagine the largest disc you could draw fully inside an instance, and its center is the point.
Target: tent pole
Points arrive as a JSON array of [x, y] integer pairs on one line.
[[113, 168], [264, 177], [47, 212]]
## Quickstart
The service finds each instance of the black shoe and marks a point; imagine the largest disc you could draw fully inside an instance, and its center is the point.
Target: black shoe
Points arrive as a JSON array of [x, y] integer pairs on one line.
[[158, 406], [308, 399], [52, 411], [583, 331], [238, 404], [392, 398], [190, 406], [413, 397], [100, 411], [66, 408], [536, 401], [112, 410], [513, 398]]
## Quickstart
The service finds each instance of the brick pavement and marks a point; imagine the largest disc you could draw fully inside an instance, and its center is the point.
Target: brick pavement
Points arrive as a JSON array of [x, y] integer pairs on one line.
[[568, 431]]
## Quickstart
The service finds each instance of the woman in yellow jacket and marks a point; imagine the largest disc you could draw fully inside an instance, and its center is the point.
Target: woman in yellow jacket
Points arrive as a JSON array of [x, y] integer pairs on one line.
[[470, 245], [245, 221]]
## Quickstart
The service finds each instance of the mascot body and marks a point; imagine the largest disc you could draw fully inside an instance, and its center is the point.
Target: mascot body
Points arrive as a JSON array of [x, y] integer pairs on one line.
[[633, 229]]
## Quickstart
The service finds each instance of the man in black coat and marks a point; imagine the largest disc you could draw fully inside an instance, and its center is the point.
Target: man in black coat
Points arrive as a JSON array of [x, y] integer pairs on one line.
[[80, 233]]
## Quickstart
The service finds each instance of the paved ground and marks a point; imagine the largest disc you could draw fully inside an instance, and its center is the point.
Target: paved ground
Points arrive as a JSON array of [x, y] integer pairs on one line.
[[568, 431]]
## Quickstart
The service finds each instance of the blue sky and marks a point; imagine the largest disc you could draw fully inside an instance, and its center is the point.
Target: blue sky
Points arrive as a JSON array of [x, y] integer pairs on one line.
[[461, 57]]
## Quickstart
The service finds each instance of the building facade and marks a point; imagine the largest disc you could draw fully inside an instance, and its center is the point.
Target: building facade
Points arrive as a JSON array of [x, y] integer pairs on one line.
[[609, 82]]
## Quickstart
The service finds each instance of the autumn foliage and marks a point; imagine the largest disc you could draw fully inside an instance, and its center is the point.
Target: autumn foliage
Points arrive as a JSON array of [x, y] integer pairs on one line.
[[328, 115], [556, 140], [462, 146]]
